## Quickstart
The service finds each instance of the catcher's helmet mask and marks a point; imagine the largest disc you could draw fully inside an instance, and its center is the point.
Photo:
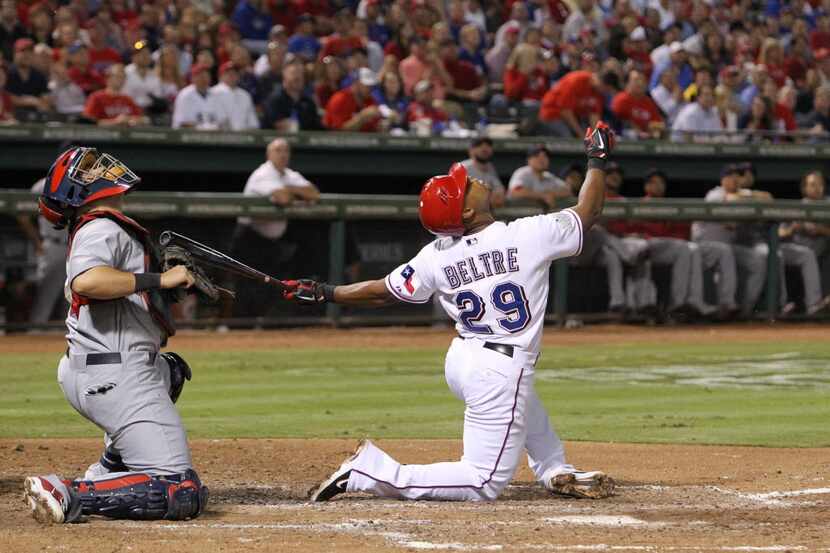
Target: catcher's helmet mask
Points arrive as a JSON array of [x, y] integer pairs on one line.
[[80, 176]]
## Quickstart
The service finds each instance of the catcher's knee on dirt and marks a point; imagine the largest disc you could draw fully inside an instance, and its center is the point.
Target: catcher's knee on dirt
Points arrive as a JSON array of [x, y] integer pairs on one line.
[[139, 496], [179, 372]]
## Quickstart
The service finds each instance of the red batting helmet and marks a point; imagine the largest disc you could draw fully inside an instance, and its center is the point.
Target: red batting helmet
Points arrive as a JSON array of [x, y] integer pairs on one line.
[[442, 201], [80, 176]]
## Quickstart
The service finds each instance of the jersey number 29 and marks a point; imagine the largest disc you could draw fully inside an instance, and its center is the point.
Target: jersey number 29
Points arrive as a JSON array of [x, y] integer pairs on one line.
[[508, 297]]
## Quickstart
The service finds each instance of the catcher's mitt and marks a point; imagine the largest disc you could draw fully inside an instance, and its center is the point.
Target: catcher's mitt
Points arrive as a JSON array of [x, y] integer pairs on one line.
[[203, 286]]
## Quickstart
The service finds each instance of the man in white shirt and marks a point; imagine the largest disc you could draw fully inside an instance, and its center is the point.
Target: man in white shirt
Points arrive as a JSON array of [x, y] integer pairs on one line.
[[142, 83], [699, 116], [535, 182], [237, 102], [199, 107], [257, 242]]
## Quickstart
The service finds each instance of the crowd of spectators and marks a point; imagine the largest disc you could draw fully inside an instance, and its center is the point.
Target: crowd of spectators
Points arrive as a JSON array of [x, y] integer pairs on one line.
[[676, 69]]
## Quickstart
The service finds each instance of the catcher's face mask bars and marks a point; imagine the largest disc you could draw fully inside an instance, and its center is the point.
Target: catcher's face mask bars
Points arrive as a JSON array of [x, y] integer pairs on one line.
[[93, 166]]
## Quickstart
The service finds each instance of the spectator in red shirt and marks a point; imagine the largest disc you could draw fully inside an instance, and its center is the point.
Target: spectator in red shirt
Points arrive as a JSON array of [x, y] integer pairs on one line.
[[110, 107], [772, 56], [353, 109], [467, 85], [636, 110], [421, 114], [423, 63], [330, 75], [820, 37], [101, 56], [344, 39], [784, 107], [637, 49], [81, 71], [525, 79], [573, 103], [6, 106]]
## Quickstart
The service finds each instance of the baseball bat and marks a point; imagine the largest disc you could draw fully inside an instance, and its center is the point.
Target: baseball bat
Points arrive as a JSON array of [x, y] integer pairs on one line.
[[217, 259]]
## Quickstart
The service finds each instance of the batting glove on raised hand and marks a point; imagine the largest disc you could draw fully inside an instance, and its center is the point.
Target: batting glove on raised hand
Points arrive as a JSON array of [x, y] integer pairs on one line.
[[307, 292], [599, 141]]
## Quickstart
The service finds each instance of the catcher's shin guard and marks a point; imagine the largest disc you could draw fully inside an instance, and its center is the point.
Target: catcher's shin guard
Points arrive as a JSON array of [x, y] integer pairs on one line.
[[179, 372], [140, 496]]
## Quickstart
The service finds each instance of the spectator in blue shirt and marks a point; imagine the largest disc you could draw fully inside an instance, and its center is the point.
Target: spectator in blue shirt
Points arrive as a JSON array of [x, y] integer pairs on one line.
[[254, 24], [378, 30], [303, 43], [679, 60], [389, 93], [471, 48]]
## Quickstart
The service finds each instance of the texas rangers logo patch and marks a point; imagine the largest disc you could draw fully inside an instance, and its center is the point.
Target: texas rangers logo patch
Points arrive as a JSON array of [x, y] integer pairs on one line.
[[407, 273]]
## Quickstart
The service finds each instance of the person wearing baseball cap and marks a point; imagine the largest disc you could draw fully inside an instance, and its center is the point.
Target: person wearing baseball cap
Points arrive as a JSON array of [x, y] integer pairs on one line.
[[28, 87], [480, 166], [420, 113], [237, 101], [303, 42], [535, 182], [197, 106], [353, 108]]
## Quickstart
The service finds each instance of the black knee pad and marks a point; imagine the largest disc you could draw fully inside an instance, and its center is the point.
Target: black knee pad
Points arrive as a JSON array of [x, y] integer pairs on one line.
[[139, 496], [187, 499], [179, 372]]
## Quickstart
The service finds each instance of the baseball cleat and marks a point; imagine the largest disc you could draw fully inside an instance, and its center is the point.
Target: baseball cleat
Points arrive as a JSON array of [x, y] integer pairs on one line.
[[50, 499], [339, 480], [584, 485]]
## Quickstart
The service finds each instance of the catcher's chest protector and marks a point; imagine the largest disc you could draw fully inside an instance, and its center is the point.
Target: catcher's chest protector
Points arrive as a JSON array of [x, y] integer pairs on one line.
[[157, 304]]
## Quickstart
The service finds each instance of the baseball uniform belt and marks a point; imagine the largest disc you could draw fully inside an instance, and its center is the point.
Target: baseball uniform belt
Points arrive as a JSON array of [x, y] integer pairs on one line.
[[111, 358], [504, 349]]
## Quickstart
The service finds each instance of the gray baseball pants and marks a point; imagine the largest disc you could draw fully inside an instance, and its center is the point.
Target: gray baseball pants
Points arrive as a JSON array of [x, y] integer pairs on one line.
[[718, 256], [130, 401], [805, 260], [51, 274]]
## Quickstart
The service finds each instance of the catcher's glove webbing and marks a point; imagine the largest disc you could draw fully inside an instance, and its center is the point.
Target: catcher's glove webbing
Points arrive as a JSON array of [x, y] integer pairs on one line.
[[203, 286]]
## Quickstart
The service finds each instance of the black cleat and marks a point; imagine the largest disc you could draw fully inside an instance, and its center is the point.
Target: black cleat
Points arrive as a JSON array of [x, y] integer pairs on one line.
[[339, 480]]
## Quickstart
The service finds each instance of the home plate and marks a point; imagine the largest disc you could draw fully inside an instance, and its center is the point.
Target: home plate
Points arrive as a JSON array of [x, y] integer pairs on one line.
[[599, 520]]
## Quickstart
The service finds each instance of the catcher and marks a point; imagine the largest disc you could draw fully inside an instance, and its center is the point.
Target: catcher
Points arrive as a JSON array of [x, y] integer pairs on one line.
[[112, 372]]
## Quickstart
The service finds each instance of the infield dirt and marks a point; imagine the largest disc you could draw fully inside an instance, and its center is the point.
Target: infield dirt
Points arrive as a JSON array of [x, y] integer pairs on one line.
[[670, 498]]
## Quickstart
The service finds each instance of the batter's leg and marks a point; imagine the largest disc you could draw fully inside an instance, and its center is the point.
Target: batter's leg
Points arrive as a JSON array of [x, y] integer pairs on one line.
[[545, 451], [494, 389]]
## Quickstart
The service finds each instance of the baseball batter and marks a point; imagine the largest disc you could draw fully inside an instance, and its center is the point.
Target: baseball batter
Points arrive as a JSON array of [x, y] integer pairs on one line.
[[492, 279], [112, 372]]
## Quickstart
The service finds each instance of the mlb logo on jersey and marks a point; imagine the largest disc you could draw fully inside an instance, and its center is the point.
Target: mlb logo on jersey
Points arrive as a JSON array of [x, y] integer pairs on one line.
[[408, 274]]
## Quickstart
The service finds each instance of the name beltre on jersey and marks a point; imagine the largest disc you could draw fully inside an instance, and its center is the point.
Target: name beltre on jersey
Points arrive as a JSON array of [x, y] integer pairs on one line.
[[481, 266]]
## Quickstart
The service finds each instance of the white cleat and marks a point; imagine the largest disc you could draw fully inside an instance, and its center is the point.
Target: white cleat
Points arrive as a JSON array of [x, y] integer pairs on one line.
[[339, 480], [48, 498], [584, 485]]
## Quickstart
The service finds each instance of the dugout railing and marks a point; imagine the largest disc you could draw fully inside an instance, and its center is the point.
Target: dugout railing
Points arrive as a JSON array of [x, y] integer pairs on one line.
[[338, 210]]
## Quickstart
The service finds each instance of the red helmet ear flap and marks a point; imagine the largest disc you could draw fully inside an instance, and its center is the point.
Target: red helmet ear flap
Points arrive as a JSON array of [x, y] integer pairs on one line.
[[53, 213]]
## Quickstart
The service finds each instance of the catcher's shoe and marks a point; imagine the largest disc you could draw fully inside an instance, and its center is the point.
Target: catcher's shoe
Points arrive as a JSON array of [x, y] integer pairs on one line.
[[50, 500], [339, 480], [590, 485]]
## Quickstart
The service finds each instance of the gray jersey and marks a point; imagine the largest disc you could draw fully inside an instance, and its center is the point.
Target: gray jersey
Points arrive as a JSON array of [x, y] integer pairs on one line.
[[488, 176], [714, 231], [120, 325], [525, 177]]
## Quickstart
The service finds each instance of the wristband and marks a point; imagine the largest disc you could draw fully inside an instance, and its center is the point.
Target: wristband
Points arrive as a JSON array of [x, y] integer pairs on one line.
[[327, 291], [596, 163], [145, 281]]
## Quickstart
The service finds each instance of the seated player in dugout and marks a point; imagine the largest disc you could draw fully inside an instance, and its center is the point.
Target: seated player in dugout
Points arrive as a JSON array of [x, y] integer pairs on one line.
[[112, 372], [492, 278]]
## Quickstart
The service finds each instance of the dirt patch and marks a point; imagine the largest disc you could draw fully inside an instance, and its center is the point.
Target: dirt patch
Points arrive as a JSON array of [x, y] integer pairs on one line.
[[690, 498], [410, 337]]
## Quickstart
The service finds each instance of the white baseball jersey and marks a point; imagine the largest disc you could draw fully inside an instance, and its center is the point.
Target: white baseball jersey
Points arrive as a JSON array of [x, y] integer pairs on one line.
[[493, 283]]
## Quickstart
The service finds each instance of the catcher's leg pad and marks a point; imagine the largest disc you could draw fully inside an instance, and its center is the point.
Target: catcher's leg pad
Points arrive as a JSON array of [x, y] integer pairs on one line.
[[140, 496], [179, 372]]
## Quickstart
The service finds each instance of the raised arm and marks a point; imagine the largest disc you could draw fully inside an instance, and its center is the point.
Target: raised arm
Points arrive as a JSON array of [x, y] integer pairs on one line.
[[598, 144], [369, 293]]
